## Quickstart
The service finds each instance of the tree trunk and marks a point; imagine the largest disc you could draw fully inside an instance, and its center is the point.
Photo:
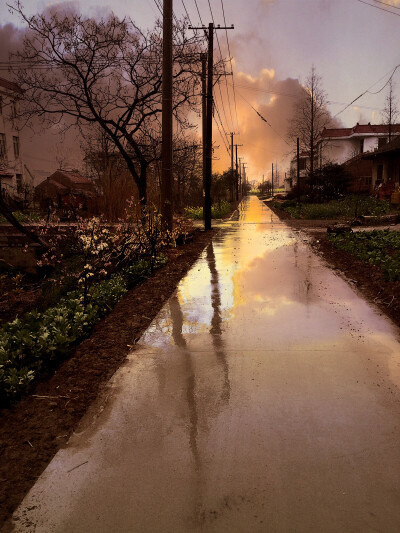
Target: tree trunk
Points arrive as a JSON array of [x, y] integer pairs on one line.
[[8, 215]]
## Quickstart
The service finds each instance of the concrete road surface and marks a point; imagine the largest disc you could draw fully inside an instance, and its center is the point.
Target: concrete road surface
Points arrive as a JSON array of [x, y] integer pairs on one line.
[[263, 398]]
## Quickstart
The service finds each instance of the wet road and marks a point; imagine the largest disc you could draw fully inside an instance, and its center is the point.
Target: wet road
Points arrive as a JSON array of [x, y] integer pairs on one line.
[[263, 398]]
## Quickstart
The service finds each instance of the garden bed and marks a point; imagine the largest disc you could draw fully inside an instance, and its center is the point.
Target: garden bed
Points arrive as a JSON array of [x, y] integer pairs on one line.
[[32, 431]]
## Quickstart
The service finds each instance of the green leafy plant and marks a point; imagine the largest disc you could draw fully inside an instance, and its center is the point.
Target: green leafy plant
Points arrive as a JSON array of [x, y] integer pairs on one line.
[[380, 248]]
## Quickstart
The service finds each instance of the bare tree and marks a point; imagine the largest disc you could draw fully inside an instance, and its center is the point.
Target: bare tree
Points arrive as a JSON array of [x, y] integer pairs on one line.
[[106, 72], [390, 112], [310, 116]]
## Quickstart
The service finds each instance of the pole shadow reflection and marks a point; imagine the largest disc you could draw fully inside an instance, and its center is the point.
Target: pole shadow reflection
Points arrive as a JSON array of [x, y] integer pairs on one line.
[[216, 323]]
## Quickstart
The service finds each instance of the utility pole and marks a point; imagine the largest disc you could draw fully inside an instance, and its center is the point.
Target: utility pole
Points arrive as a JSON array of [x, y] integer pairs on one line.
[[166, 172], [237, 185], [298, 169], [204, 122], [272, 181], [240, 177], [244, 175], [209, 117]]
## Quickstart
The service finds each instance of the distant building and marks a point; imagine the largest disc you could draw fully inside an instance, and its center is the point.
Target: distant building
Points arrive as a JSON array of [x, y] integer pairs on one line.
[[385, 167], [65, 189], [11, 157], [337, 145]]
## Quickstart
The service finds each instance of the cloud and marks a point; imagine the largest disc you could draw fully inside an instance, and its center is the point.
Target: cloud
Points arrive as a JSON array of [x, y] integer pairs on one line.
[[263, 143]]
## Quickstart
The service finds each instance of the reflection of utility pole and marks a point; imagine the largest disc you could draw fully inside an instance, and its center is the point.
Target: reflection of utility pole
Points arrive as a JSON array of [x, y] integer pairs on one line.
[[166, 173], [209, 118], [244, 176]]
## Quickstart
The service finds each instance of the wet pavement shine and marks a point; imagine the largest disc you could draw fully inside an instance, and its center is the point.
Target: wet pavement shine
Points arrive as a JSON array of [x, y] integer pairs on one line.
[[264, 397]]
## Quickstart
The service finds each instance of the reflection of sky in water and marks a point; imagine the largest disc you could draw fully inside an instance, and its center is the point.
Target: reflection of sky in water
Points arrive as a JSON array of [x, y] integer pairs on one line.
[[272, 289]]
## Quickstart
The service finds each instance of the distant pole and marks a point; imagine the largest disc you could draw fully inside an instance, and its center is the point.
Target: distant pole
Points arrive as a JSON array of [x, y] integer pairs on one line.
[[207, 184], [233, 184], [272, 181], [166, 173], [204, 124], [237, 176], [298, 169]]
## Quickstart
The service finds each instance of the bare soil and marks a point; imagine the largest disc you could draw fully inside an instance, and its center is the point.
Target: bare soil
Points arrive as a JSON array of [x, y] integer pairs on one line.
[[32, 431]]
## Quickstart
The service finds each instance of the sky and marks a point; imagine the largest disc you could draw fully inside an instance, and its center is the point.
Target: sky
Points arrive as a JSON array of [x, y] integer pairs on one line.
[[353, 47]]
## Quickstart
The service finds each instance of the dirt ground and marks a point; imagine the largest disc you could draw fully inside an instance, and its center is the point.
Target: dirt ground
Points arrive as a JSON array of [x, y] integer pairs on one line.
[[32, 431]]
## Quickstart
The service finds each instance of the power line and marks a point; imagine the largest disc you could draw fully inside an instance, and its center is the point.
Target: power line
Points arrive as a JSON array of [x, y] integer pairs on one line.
[[198, 11], [220, 52], [264, 119], [230, 59], [223, 137], [368, 90], [386, 4], [158, 7], [381, 8], [187, 14]]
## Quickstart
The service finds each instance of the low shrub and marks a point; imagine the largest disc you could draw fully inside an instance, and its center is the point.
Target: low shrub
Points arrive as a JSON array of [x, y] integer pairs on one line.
[[40, 340], [348, 207], [218, 210]]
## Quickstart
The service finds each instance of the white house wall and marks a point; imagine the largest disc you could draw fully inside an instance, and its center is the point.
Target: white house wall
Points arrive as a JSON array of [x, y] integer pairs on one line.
[[13, 165]]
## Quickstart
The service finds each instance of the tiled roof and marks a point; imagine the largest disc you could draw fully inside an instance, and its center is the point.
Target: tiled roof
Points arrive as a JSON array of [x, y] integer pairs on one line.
[[73, 176], [359, 129], [10, 85]]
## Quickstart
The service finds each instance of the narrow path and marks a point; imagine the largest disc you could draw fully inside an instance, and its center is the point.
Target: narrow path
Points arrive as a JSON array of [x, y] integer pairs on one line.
[[263, 398]]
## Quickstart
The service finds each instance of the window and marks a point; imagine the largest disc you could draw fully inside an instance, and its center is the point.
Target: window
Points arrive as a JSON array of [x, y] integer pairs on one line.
[[1, 105], [18, 178], [361, 146], [13, 110], [3, 152], [382, 141], [302, 163], [16, 146]]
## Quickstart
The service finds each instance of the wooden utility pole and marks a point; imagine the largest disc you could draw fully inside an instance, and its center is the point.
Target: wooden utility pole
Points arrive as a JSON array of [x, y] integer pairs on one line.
[[240, 177], [207, 178], [167, 207], [298, 169], [235, 184], [232, 193], [272, 181], [204, 123]]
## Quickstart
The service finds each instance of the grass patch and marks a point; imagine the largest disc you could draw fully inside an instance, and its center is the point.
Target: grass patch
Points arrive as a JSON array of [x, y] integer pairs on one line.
[[378, 247], [348, 207], [24, 218], [218, 210]]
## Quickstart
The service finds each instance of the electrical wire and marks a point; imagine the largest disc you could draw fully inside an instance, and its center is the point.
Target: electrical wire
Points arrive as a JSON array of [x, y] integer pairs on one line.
[[230, 59], [187, 14], [381, 8], [264, 119], [220, 52], [386, 4], [368, 90], [198, 11]]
